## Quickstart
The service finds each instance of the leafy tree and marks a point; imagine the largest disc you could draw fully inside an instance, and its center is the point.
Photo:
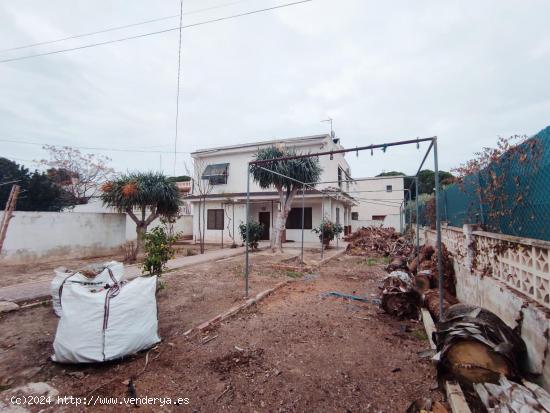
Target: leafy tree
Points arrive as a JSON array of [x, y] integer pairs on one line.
[[391, 173], [302, 170], [426, 180], [142, 192], [38, 192]]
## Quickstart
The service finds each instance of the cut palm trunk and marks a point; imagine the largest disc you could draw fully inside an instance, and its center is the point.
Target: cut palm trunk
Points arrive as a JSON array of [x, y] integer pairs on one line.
[[400, 302], [476, 346], [430, 299], [422, 283]]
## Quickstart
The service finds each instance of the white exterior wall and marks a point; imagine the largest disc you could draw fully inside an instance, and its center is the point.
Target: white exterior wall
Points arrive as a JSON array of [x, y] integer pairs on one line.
[[183, 225], [43, 236], [238, 161], [215, 236], [367, 209]]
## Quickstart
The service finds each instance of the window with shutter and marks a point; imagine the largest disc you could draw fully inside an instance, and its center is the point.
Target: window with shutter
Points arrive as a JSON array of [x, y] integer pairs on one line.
[[214, 219]]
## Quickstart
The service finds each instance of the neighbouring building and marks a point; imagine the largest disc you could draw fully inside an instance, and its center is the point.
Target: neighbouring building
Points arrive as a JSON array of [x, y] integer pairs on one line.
[[379, 202], [223, 172]]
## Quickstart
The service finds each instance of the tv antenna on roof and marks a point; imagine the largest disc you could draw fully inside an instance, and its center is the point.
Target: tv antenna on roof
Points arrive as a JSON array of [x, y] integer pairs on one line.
[[332, 134]]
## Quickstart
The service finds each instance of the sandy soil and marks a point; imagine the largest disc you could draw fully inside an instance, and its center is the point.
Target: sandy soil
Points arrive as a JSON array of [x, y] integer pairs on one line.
[[297, 351], [22, 273]]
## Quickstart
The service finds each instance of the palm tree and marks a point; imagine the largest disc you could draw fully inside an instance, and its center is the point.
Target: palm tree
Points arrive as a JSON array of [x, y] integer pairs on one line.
[[139, 193], [301, 169]]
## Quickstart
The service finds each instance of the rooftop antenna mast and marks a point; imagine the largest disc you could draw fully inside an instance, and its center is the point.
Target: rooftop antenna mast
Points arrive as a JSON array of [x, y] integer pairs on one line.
[[329, 119]]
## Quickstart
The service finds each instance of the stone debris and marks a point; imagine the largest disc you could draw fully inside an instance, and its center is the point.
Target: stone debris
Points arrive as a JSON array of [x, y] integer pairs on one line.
[[8, 306]]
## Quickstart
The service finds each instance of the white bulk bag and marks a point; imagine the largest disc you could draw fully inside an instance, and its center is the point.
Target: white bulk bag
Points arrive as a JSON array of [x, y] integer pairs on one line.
[[63, 276], [107, 324]]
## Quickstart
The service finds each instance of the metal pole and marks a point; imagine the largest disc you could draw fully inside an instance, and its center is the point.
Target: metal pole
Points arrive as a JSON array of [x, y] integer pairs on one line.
[[337, 151], [246, 268], [322, 225], [303, 215], [410, 211], [417, 224], [401, 218], [339, 217], [438, 232]]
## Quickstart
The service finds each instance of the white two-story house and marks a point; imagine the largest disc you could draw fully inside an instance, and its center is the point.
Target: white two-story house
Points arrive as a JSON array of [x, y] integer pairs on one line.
[[223, 173]]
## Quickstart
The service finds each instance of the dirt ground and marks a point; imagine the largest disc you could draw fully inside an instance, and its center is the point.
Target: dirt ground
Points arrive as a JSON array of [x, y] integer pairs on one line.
[[22, 273], [296, 351]]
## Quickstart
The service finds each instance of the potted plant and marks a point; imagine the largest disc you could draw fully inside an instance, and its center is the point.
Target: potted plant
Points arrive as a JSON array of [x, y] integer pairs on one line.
[[254, 235], [327, 231]]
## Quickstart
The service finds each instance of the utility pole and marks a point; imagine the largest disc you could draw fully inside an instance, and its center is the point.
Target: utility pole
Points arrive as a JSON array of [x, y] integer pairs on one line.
[[8, 213]]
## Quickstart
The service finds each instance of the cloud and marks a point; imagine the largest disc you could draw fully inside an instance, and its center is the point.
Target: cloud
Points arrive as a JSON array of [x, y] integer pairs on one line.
[[464, 71]]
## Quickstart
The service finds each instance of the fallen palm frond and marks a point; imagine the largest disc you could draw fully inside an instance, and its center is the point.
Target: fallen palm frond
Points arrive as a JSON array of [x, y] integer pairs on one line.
[[513, 397]]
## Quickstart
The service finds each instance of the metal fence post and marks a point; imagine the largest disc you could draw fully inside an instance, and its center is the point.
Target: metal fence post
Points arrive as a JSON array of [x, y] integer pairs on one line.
[[417, 221], [303, 215], [322, 225], [438, 232], [246, 268], [401, 218]]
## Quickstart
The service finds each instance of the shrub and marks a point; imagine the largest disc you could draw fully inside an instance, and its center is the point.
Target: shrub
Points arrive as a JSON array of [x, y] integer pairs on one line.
[[158, 247], [254, 235]]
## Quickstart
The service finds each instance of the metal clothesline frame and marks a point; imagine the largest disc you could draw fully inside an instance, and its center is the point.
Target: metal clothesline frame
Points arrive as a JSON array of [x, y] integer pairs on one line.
[[431, 148]]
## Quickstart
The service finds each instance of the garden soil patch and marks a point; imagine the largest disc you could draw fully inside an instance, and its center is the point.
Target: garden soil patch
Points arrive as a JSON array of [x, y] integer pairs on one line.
[[296, 351]]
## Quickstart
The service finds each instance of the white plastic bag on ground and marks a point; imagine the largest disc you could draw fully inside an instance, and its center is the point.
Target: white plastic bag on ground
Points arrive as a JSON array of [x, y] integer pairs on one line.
[[108, 324], [63, 276]]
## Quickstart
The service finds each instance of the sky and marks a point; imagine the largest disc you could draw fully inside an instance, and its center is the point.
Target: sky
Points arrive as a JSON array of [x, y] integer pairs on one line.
[[464, 71]]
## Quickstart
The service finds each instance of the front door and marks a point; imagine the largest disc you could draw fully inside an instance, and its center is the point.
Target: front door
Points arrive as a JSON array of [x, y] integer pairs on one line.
[[265, 219]]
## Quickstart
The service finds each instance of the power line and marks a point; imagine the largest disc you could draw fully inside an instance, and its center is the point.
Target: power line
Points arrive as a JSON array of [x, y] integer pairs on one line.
[[122, 39], [178, 89], [92, 148], [111, 29]]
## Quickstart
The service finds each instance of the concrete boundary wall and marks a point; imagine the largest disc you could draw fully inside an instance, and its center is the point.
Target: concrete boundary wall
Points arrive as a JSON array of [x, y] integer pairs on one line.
[[44, 236], [508, 276]]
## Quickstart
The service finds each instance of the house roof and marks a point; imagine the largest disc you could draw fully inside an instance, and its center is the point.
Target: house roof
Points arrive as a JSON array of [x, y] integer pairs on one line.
[[304, 139]]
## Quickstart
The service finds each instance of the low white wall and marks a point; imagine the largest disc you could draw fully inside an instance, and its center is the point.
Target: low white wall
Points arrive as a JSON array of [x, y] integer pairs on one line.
[[184, 224], [43, 236], [488, 279]]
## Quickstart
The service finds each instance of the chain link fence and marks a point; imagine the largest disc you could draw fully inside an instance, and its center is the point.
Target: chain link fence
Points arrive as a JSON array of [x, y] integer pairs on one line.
[[511, 196]]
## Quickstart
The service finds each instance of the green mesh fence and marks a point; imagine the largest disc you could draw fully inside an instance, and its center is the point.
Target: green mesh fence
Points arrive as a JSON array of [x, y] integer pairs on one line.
[[520, 205]]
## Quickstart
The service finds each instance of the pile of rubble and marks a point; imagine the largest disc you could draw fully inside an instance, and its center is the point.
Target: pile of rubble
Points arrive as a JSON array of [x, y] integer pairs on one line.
[[384, 241]]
